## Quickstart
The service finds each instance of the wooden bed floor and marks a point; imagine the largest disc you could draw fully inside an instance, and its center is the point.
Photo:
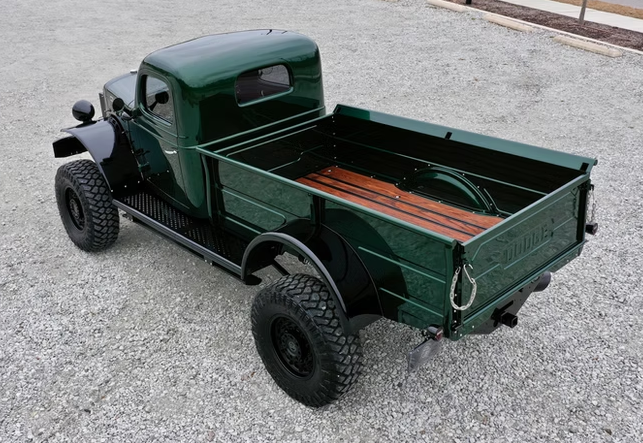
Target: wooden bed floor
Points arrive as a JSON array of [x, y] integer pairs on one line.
[[386, 198]]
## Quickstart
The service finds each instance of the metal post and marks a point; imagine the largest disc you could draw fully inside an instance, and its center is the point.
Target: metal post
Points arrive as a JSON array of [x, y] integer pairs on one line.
[[581, 19]]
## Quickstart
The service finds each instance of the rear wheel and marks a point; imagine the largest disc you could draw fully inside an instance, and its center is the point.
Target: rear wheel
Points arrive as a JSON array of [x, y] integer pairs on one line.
[[85, 206], [300, 339]]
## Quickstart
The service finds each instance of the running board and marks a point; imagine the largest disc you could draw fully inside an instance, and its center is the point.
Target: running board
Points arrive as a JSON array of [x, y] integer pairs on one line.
[[215, 245]]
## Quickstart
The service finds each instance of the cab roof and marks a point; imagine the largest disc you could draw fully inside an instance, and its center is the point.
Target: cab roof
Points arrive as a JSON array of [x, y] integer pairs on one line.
[[201, 63]]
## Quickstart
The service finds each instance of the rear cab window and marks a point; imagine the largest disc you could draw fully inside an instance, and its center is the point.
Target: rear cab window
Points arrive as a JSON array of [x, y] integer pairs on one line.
[[261, 83]]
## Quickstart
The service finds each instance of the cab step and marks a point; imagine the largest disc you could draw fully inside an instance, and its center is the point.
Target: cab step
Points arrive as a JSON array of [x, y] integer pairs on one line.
[[199, 236]]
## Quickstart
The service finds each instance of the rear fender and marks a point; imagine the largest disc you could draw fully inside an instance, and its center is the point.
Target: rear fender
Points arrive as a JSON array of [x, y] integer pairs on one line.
[[108, 145], [338, 265]]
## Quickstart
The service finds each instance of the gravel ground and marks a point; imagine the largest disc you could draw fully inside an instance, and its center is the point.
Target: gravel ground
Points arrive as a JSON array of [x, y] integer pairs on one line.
[[145, 343]]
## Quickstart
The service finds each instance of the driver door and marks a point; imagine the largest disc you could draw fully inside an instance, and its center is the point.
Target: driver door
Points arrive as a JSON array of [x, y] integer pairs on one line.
[[156, 133]]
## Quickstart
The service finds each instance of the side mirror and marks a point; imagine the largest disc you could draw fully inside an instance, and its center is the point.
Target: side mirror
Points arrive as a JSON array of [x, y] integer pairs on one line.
[[83, 111], [162, 97], [118, 104]]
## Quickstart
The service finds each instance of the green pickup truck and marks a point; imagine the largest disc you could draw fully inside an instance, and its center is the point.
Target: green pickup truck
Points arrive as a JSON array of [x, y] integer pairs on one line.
[[223, 145]]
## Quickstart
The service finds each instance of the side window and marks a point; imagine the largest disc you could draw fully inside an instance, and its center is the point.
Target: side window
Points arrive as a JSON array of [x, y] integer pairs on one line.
[[260, 83], [158, 100]]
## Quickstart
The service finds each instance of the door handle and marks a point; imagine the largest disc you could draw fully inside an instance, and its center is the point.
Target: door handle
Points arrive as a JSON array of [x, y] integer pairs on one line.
[[169, 152]]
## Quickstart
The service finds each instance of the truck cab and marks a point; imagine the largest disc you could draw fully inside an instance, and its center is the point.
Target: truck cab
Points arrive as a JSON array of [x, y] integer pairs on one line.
[[207, 90]]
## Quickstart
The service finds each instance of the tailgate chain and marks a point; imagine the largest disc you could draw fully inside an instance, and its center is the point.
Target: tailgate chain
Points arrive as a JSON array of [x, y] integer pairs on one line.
[[454, 282], [591, 199]]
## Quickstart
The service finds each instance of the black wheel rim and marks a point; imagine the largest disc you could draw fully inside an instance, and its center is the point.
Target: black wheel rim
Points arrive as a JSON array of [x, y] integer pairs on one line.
[[292, 347], [75, 209]]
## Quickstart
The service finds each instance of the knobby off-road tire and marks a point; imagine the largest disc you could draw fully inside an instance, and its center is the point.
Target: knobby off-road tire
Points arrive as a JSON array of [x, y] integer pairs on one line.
[[299, 337], [85, 206]]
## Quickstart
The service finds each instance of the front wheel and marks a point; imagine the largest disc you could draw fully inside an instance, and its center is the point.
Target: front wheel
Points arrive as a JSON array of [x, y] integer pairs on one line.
[[85, 206], [300, 339]]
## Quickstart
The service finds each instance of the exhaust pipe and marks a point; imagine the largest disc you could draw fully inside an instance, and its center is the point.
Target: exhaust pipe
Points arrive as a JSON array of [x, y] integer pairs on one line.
[[543, 282], [591, 228]]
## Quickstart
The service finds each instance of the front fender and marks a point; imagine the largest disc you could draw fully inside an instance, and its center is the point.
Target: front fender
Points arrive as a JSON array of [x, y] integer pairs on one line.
[[108, 145]]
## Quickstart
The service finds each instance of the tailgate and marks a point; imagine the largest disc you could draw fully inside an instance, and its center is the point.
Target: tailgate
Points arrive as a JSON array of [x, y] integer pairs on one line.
[[544, 236]]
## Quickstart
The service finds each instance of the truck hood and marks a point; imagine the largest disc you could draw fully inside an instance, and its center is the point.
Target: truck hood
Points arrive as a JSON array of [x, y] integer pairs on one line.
[[124, 87]]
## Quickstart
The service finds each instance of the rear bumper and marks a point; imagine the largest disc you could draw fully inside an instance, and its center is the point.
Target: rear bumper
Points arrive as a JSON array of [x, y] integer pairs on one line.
[[505, 312]]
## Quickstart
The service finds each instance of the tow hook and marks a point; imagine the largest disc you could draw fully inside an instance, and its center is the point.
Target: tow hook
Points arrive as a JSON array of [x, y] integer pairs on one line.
[[422, 353], [505, 318], [508, 319]]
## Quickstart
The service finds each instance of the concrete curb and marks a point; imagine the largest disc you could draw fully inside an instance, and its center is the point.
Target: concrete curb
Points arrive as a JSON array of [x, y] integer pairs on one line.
[[488, 15], [558, 31], [588, 46], [447, 5], [507, 22]]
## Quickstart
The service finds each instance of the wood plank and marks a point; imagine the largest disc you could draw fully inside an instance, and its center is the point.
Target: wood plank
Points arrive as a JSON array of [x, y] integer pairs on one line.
[[390, 190], [388, 210], [385, 197], [398, 204]]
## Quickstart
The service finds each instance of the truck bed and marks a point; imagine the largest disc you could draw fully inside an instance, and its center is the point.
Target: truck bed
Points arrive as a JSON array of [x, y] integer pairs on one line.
[[388, 199], [362, 174], [384, 155]]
